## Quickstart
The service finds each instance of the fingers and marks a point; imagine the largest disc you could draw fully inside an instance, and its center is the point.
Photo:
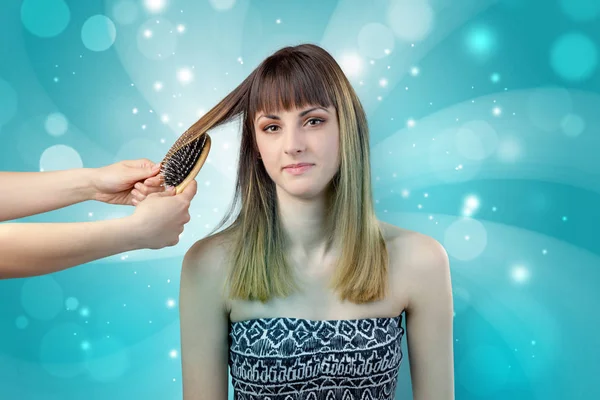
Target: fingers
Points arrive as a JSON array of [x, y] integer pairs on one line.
[[190, 190]]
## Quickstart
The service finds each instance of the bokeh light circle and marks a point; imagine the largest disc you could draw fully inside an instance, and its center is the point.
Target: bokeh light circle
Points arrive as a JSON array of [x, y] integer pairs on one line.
[[574, 57], [45, 18], [410, 20], [98, 33], [59, 158], [56, 124], [465, 239], [375, 41], [41, 297]]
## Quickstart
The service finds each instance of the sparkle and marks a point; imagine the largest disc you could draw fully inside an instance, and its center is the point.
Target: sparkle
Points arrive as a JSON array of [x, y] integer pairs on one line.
[[173, 354], [170, 303], [383, 82], [147, 33], [85, 345], [410, 123], [277, 21], [164, 118], [387, 51], [135, 111], [184, 75], [544, 252], [497, 111], [240, 60], [180, 28], [405, 193], [414, 71], [90, 214], [520, 274], [158, 86], [155, 5]]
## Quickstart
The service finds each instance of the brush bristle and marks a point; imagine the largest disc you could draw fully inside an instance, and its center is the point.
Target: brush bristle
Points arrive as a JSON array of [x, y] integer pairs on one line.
[[179, 163]]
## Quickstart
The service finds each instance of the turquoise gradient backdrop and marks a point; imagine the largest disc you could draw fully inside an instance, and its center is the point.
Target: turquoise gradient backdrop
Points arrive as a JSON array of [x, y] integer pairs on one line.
[[484, 121]]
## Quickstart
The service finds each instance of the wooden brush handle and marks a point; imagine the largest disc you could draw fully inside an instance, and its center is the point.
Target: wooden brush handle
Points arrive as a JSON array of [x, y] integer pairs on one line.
[[199, 163]]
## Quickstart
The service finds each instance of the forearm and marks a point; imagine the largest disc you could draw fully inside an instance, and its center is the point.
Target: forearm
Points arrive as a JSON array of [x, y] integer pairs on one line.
[[30, 193], [30, 249]]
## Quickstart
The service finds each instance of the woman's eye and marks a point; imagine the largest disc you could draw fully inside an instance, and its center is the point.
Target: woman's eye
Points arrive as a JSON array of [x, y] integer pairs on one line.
[[317, 120], [268, 128]]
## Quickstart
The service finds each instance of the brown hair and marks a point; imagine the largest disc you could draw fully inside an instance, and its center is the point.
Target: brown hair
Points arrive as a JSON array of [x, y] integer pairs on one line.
[[300, 76]]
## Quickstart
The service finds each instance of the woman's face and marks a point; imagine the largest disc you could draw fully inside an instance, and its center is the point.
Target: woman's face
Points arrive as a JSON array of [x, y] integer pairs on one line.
[[308, 136]]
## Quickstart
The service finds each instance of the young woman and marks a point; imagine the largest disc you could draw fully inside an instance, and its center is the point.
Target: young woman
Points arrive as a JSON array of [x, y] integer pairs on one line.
[[302, 296]]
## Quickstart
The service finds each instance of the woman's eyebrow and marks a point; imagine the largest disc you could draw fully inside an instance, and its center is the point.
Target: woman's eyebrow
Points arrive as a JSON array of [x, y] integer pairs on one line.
[[302, 114]]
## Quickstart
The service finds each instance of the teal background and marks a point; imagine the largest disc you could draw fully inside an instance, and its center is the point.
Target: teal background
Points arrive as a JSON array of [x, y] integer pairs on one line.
[[485, 135]]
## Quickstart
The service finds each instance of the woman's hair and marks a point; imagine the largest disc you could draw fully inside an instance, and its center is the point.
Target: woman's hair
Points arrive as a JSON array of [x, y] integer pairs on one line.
[[295, 77]]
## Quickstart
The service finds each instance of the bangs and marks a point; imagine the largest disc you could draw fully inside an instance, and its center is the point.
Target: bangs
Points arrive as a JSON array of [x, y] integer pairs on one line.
[[286, 82]]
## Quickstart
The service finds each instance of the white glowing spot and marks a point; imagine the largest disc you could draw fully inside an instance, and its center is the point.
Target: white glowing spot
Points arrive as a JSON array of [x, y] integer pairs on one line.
[[90, 214], [520, 274], [240, 60], [419, 206], [201, 112], [414, 71], [170, 303], [207, 183], [459, 167], [425, 195], [278, 21], [162, 140], [431, 217], [164, 118], [147, 33], [497, 111], [144, 126], [84, 312], [410, 123], [352, 64], [379, 98], [85, 345], [405, 193], [387, 51], [173, 354], [180, 28], [155, 6], [135, 111], [383, 82], [184, 75], [158, 86], [544, 252]]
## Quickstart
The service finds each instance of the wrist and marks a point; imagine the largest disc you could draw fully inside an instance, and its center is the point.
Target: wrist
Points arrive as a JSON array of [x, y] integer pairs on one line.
[[132, 231], [91, 190]]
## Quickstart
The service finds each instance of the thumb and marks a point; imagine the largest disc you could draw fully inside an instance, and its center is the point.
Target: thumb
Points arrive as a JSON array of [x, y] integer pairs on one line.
[[145, 170], [190, 190]]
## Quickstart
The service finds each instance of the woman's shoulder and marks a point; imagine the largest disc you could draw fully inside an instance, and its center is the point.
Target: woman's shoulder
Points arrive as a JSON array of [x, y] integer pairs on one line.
[[208, 255], [412, 251]]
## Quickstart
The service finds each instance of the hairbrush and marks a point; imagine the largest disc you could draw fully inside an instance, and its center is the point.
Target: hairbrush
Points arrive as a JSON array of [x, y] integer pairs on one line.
[[184, 160]]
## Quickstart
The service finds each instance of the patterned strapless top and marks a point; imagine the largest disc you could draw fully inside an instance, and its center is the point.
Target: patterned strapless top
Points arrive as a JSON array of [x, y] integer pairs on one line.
[[290, 358]]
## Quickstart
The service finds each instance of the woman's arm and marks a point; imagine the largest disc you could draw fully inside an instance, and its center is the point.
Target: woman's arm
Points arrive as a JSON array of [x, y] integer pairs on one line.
[[30, 193], [29, 249], [204, 322], [429, 322]]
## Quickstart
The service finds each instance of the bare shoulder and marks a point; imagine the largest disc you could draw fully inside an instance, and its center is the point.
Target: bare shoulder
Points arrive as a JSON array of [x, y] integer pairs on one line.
[[419, 261], [413, 249], [205, 263], [208, 255]]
